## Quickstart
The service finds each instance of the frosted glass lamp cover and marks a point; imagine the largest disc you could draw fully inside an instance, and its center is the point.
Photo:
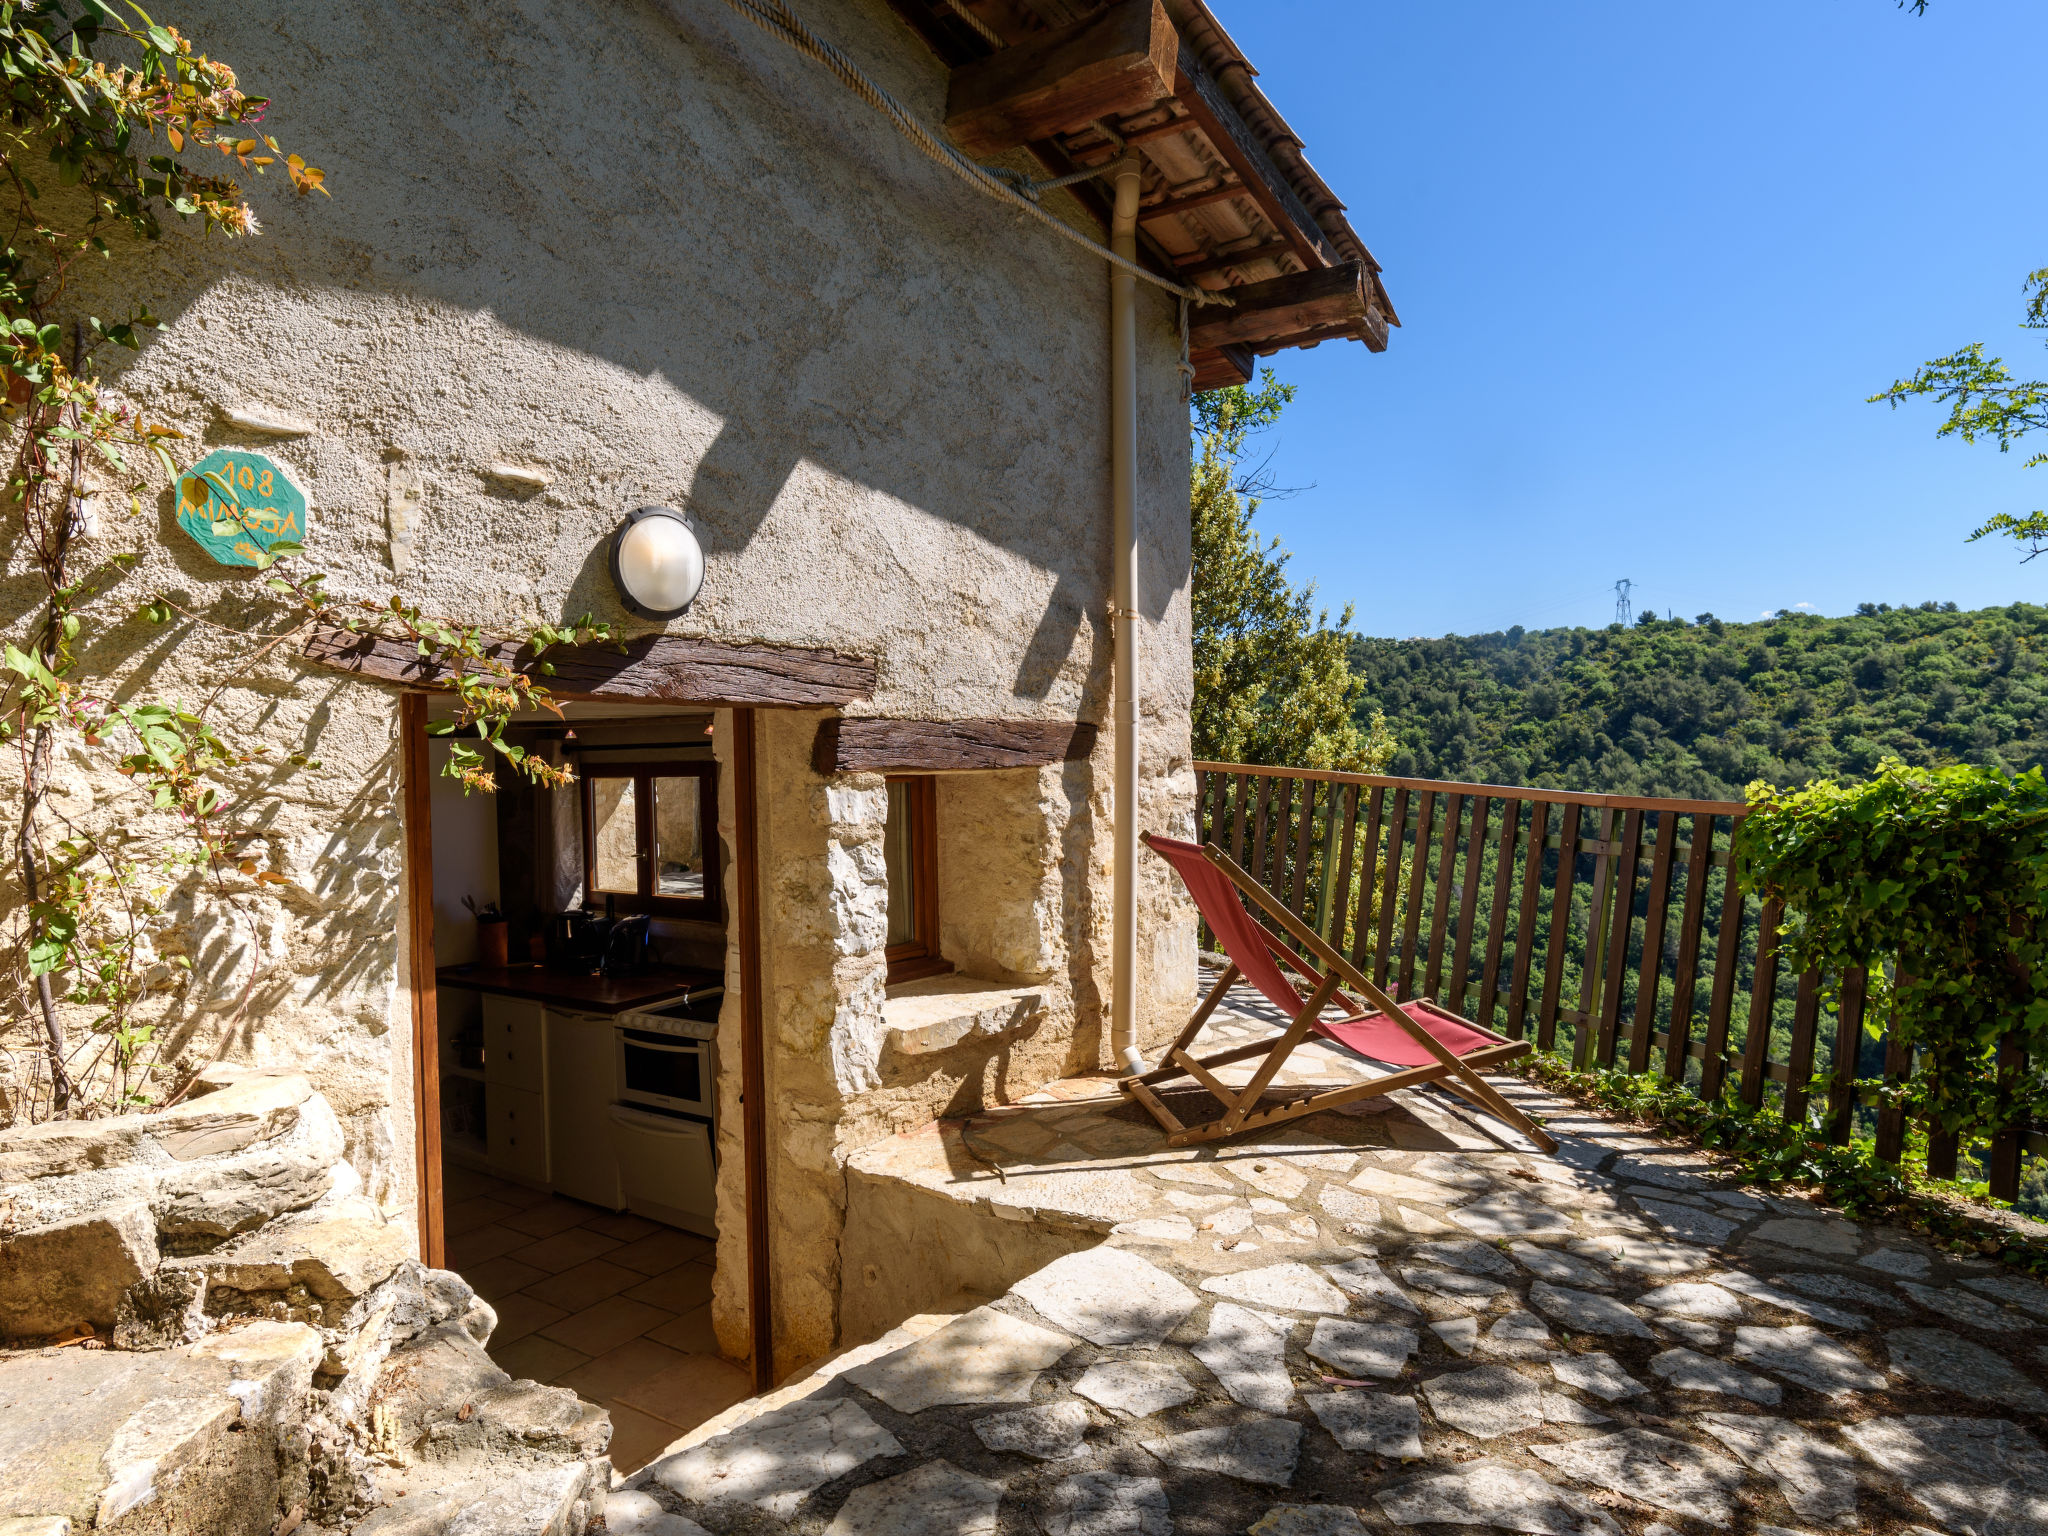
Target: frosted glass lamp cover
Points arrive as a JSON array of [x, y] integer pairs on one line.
[[657, 563]]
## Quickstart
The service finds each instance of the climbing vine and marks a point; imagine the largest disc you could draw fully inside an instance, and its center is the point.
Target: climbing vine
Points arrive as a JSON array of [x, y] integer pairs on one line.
[[117, 126], [1943, 873]]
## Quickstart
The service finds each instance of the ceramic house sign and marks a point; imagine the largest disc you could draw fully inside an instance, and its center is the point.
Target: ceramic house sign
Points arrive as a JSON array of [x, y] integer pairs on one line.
[[268, 506]]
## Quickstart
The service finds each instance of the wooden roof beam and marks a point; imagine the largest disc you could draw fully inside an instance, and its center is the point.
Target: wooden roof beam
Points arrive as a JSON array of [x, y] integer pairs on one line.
[[1223, 261], [1210, 110], [1320, 298], [1219, 367], [1120, 60]]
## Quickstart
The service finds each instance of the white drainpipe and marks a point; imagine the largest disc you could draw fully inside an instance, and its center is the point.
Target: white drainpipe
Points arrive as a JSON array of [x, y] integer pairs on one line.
[[1123, 493]]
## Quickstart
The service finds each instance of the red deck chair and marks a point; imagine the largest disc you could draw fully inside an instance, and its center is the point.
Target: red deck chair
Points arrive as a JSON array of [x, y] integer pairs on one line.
[[1426, 1043]]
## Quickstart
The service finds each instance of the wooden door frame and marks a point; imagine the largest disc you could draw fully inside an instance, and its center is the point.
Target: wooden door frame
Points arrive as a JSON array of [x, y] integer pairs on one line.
[[416, 810], [416, 801]]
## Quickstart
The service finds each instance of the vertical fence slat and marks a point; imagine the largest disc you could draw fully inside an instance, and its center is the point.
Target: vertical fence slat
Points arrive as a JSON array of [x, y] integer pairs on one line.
[[1273, 876], [1525, 922], [1650, 969], [1560, 924], [2004, 1173], [1446, 880], [1390, 886], [1241, 797], [1799, 1055], [1296, 884], [1339, 915], [1698, 864], [1260, 785], [1418, 872], [1497, 919], [1943, 1150], [1848, 1047], [1721, 999], [1368, 879], [1586, 1035], [1468, 901], [1898, 1065], [1763, 997], [1202, 809], [1626, 874]]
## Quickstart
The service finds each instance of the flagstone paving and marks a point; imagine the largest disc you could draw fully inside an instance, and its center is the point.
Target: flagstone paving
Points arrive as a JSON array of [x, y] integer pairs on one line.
[[1402, 1317]]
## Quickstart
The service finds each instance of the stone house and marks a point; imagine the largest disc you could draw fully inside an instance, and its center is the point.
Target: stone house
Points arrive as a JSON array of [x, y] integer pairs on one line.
[[583, 260]]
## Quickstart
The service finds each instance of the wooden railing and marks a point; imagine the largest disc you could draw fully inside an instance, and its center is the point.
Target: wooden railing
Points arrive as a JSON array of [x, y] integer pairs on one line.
[[1609, 926]]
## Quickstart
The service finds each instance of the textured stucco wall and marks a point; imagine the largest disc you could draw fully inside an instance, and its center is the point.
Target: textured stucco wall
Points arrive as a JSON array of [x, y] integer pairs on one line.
[[651, 253]]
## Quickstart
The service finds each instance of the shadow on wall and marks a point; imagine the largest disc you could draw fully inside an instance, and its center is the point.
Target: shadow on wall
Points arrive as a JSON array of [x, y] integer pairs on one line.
[[766, 277]]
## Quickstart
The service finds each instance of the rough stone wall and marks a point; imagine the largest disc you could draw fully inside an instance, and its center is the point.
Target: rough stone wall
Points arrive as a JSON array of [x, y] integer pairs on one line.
[[649, 253], [1024, 873], [203, 1321]]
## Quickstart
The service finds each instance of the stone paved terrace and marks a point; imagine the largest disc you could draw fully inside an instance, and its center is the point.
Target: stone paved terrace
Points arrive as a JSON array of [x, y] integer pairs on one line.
[[1396, 1317]]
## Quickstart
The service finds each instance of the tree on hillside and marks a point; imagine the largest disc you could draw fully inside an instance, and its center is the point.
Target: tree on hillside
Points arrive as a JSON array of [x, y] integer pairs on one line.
[[1272, 684], [1700, 709], [1984, 399]]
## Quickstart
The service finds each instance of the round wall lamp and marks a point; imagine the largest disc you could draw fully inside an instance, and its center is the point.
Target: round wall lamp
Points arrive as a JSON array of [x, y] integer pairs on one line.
[[657, 563]]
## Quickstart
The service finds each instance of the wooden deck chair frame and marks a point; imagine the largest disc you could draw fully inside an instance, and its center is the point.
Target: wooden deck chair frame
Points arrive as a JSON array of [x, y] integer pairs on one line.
[[1459, 1074]]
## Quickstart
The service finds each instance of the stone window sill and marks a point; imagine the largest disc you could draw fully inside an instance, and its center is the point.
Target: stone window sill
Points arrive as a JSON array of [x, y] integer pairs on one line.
[[943, 1011]]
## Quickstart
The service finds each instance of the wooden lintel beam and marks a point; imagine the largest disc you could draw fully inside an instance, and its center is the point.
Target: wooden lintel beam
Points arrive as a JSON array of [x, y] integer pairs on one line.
[[1220, 367], [1119, 60], [654, 669], [947, 746], [1285, 306]]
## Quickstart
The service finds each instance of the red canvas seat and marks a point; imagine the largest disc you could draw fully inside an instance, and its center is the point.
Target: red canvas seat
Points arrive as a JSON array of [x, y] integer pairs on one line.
[[1430, 1045]]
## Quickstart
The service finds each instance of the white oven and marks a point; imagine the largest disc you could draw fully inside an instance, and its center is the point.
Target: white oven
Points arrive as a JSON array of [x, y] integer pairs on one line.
[[666, 1072]]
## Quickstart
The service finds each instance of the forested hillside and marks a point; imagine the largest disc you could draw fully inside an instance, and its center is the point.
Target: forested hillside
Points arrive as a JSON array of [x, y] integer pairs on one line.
[[1700, 709]]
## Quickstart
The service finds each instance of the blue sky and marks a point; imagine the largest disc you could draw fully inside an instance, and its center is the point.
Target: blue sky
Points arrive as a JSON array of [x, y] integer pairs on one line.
[[1650, 260]]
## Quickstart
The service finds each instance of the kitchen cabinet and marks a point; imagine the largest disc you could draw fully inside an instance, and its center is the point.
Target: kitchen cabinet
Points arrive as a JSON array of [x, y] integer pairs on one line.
[[515, 1043], [581, 1087], [518, 1133]]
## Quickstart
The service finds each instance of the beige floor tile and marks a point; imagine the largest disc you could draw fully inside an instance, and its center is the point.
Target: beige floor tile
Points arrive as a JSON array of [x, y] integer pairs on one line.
[[475, 1211], [460, 1183], [520, 1314], [565, 1250], [637, 1438], [598, 1329], [583, 1286], [615, 1370], [623, 1225], [501, 1276], [663, 1250], [690, 1391], [691, 1333], [481, 1243], [682, 1289], [536, 1358], [549, 1217]]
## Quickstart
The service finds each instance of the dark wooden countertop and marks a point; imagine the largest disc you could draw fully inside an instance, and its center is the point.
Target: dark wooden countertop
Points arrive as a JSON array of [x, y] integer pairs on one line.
[[595, 994]]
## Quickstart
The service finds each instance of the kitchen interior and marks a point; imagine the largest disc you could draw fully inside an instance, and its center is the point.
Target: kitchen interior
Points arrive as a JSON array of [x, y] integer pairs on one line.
[[579, 947]]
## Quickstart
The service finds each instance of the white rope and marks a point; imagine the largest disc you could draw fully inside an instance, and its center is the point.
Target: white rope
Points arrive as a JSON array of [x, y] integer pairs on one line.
[[1187, 367], [987, 33], [776, 19]]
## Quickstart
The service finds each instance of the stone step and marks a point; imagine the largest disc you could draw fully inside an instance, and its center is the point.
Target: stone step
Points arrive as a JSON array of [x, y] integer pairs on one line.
[[489, 1497], [194, 1435]]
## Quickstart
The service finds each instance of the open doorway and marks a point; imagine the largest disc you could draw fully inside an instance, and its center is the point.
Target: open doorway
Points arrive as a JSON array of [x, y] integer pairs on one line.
[[579, 949]]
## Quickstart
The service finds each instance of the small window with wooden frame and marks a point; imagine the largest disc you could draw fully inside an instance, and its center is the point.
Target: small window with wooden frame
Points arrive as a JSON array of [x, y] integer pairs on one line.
[[650, 838], [910, 848]]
